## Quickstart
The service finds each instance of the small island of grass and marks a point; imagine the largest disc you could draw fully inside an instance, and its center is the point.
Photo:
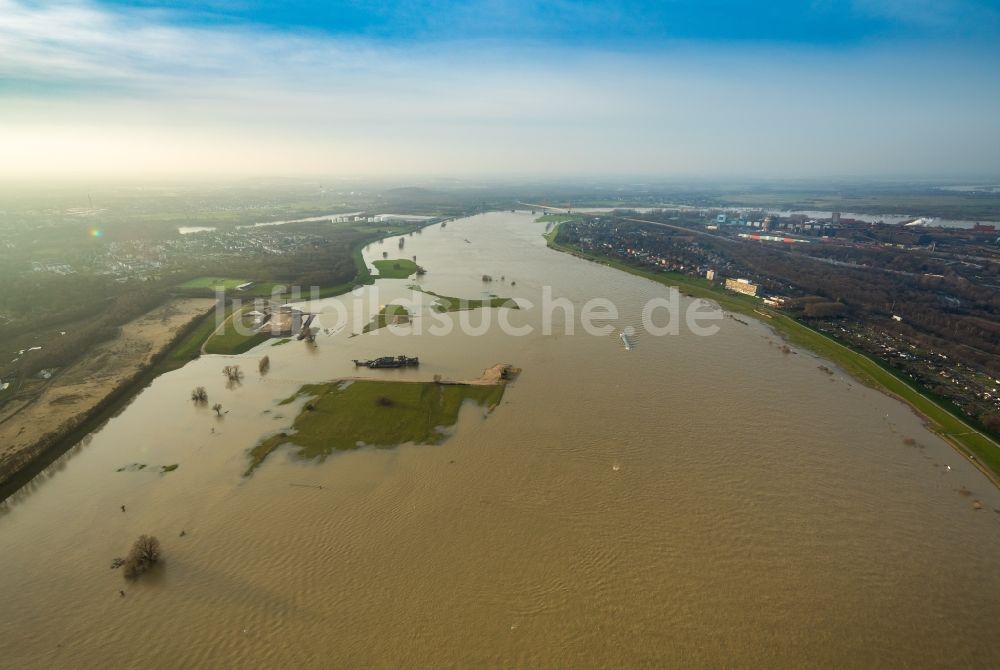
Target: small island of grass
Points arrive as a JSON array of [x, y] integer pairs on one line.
[[346, 415], [138, 467], [388, 315], [399, 268], [132, 467], [444, 303]]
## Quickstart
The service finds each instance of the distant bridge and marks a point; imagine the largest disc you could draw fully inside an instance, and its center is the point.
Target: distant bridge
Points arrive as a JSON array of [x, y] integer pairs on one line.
[[625, 218]]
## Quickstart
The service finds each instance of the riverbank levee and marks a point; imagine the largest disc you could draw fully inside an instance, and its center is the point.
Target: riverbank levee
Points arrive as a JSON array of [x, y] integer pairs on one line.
[[352, 413], [982, 450], [73, 395]]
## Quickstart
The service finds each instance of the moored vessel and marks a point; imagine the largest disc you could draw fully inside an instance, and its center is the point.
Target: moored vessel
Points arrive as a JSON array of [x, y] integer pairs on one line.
[[389, 362]]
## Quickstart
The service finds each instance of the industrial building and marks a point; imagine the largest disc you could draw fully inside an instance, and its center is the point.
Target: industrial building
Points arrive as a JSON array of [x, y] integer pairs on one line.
[[742, 286]]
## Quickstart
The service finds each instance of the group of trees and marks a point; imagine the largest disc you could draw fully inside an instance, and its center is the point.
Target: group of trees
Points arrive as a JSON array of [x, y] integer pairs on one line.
[[200, 396], [232, 373], [822, 309]]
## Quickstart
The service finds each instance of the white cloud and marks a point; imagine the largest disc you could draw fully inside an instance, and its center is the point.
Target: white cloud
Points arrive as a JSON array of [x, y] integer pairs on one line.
[[85, 89]]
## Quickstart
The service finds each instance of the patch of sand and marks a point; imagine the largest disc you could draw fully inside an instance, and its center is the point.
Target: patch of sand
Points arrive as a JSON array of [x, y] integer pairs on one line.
[[497, 374]]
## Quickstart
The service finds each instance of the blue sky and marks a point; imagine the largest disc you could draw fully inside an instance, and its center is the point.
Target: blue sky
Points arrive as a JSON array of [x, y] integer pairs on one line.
[[685, 88], [632, 23]]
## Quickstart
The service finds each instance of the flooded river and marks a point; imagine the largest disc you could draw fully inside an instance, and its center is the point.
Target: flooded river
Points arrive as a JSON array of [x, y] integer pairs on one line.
[[693, 502]]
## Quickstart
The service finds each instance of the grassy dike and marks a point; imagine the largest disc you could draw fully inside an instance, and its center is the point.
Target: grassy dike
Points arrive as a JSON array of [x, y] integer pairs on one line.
[[983, 451], [188, 346], [230, 340]]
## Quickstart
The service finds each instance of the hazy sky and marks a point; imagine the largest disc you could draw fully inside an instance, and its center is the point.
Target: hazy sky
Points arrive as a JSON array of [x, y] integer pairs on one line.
[[493, 87]]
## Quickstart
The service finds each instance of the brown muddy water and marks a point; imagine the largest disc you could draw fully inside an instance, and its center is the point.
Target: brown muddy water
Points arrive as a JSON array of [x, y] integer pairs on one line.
[[694, 502]]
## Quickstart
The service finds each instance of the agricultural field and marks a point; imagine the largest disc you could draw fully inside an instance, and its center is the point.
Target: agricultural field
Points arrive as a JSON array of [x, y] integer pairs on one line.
[[227, 283]]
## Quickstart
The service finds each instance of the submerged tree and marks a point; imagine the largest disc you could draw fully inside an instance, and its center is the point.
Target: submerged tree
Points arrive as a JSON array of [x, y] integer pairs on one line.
[[200, 395], [218, 408], [233, 373], [143, 555], [264, 365]]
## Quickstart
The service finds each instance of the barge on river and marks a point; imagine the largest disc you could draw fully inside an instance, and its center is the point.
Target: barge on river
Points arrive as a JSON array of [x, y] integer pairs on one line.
[[389, 362]]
